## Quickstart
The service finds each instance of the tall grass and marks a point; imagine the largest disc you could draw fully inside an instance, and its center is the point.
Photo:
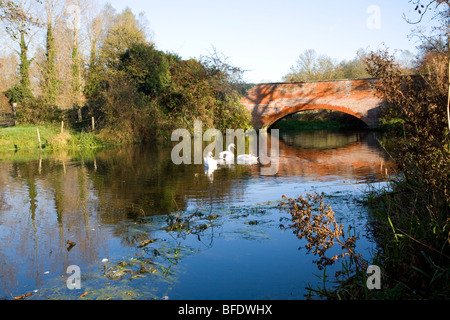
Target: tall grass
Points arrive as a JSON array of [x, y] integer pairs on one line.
[[412, 229]]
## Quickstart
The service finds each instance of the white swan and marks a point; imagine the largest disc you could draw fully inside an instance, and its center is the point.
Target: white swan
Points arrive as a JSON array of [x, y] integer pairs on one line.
[[209, 162], [247, 159], [228, 155]]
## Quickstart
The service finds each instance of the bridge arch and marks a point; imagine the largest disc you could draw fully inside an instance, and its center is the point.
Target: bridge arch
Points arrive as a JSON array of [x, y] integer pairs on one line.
[[268, 103], [302, 107]]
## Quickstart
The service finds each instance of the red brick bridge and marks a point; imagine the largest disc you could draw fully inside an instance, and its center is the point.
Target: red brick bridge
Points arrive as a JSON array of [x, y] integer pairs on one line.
[[271, 102]]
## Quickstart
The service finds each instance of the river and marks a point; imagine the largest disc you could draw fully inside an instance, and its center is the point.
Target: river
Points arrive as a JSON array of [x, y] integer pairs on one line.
[[142, 227]]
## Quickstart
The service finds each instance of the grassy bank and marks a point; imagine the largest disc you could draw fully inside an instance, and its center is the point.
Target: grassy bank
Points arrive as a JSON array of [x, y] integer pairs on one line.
[[25, 138]]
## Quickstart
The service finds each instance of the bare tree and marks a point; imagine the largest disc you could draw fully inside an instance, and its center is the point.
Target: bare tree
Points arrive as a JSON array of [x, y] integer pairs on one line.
[[8, 74], [441, 12], [11, 11], [311, 67], [21, 28], [97, 24]]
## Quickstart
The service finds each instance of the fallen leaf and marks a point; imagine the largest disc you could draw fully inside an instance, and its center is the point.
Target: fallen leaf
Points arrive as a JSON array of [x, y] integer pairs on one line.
[[84, 294], [23, 296]]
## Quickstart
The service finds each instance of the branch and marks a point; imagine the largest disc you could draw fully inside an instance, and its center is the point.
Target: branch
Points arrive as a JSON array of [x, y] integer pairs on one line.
[[11, 12], [418, 9]]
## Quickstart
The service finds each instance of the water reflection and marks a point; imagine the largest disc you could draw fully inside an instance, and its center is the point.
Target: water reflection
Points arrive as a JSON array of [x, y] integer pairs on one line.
[[95, 200], [333, 155]]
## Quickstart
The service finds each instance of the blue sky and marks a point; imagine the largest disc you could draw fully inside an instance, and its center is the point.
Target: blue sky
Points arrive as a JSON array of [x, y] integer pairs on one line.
[[265, 37]]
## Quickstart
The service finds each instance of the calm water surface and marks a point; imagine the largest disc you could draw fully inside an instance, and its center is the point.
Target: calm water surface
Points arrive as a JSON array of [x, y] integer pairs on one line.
[[171, 232]]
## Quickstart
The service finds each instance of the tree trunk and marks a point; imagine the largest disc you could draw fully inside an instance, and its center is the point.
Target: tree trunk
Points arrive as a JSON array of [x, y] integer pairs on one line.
[[448, 101], [24, 68], [50, 77], [76, 68], [448, 98]]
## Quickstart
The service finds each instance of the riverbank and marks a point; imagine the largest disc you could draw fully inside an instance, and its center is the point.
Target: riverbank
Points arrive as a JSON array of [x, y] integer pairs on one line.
[[410, 226], [411, 221], [46, 137]]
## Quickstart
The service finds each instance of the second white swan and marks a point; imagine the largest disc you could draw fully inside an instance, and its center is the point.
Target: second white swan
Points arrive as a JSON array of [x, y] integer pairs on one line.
[[247, 159], [229, 154]]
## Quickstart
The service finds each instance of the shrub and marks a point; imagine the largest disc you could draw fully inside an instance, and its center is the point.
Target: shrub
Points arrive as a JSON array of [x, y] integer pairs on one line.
[[413, 219], [18, 94], [35, 111]]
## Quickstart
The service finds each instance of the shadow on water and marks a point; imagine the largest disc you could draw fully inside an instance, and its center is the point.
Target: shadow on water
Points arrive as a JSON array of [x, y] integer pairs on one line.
[[150, 219]]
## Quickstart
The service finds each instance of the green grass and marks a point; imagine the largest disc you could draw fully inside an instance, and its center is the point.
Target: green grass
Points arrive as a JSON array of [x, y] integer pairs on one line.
[[24, 137]]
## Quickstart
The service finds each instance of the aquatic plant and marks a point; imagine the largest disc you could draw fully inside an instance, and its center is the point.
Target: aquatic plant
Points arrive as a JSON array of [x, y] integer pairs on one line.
[[314, 221]]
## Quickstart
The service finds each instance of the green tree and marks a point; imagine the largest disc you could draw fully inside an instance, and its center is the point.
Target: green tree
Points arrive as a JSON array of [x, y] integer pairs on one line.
[[24, 65], [110, 41], [228, 87], [148, 68], [124, 31], [353, 69], [50, 85]]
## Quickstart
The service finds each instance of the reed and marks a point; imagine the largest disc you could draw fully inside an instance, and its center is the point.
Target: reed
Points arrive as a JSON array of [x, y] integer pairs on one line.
[[412, 229]]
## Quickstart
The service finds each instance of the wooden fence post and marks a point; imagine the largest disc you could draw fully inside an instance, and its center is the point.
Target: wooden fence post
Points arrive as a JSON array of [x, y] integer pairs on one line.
[[39, 138], [14, 112]]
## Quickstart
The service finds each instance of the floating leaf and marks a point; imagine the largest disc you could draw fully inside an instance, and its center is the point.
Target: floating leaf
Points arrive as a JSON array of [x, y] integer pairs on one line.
[[146, 243], [23, 296], [84, 294]]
